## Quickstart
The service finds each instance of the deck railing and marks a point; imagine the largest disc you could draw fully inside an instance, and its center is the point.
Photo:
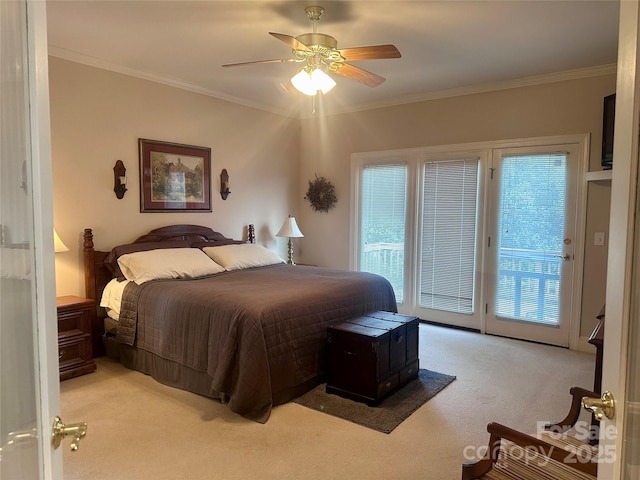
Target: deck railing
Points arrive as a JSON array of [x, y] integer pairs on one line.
[[386, 259], [528, 280], [529, 285]]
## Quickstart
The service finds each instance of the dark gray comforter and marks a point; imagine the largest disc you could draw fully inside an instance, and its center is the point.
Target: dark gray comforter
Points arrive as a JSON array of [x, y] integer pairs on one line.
[[257, 335]]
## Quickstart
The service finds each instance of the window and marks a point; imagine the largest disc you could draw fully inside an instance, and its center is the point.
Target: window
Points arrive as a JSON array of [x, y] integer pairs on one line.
[[448, 240], [382, 228]]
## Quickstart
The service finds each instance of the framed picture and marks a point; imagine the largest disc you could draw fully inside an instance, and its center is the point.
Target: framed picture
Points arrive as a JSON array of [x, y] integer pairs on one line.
[[174, 177]]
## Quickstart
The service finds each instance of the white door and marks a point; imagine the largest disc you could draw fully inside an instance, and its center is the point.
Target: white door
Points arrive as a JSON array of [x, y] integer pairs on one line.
[[29, 385], [532, 242], [620, 436]]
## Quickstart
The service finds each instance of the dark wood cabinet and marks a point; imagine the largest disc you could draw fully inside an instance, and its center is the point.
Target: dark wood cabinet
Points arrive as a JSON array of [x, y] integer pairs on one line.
[[597, 340], [370, 357], [75, 315]]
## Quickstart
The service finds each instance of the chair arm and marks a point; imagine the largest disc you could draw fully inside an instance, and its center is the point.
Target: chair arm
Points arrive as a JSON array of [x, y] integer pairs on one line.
[[574, 412], [499, 432], [473, 470], [543, 448]]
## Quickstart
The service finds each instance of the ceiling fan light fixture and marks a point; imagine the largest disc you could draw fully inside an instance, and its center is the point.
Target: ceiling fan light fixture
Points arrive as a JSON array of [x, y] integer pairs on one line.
[[302, 82], [323, 81], [309, 82], [319, 54]]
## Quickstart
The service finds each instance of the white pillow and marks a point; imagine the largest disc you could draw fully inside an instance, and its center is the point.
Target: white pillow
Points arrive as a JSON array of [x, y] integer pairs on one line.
[[112, 297], [245, 255], [141, 267]]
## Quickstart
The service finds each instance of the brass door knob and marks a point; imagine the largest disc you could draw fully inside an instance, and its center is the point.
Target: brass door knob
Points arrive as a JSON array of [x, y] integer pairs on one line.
[[59, 430], [600, 407]]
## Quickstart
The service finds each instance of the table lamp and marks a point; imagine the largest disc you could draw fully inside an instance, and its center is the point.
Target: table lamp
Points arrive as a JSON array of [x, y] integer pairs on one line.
[[58, 245], [290, 230]]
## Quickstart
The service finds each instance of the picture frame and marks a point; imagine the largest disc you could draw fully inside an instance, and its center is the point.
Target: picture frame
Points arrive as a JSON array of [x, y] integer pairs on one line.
[[174, 177]]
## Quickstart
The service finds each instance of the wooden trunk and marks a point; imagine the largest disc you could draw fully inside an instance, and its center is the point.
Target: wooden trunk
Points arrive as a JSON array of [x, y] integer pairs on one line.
[[370, 357]]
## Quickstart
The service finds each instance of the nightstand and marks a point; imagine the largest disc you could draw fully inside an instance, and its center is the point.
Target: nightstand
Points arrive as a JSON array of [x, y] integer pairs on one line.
[[74, 336]]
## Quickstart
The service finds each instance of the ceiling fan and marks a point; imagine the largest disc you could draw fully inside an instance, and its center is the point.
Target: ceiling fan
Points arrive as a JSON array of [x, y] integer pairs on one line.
[[319, 54]]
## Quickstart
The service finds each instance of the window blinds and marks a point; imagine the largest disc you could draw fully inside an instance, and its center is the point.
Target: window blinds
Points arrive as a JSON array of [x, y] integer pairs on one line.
[[449, 210], [383, 212]]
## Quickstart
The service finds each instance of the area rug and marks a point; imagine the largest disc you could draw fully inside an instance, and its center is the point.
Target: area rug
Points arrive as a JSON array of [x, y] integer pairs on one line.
[[390, 413]]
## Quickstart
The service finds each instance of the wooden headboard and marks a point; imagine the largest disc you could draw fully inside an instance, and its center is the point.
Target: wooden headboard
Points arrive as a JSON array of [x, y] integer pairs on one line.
[[96, 272], [191, 233]]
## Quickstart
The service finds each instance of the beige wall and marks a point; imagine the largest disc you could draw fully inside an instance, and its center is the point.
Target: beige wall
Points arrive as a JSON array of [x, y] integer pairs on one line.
[[569, 107], [97, 117]]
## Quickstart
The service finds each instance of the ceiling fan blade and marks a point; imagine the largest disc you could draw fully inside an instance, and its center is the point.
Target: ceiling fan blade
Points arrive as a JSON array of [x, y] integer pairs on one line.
[[359, 75], [275, 60], [289, 40], [370, 53]]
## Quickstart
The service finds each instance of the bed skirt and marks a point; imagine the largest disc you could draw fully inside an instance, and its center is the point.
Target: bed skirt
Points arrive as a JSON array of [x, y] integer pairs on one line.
[[179, 376]]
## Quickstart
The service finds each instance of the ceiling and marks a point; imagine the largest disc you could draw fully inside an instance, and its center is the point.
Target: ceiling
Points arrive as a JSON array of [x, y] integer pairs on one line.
[[446, 46]]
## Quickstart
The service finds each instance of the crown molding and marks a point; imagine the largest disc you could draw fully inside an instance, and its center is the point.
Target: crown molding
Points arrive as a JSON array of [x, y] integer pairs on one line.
[[154, 77], [296, 112], [533, 80]]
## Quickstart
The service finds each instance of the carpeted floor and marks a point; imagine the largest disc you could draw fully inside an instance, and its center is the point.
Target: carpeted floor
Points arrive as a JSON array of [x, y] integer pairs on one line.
[[390, 413], [142, 430]]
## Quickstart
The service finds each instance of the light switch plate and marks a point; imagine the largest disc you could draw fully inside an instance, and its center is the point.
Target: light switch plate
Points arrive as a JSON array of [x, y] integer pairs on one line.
[[598, 238]]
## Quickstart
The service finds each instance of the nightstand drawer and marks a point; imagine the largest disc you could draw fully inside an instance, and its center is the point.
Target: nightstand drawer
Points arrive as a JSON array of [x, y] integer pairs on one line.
[[72, 323], [73, 357], [74, 336], [73, 353]]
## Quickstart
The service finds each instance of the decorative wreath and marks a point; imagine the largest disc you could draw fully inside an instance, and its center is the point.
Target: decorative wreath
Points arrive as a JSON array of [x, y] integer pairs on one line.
[[321, 194]]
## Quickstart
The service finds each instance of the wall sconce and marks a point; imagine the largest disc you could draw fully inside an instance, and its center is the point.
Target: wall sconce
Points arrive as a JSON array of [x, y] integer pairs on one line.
[[119, 179], [224, 184]]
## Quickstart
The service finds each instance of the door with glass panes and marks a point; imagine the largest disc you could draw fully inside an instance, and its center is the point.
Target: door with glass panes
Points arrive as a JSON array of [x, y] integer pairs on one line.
[[29, 378], [531, 244]]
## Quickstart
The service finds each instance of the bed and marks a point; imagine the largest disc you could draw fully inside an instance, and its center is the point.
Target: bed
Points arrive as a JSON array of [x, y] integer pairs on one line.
[[252, 334]]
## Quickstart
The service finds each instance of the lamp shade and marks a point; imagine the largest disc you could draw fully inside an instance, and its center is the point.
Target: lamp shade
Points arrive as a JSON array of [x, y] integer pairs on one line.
[[58, 245], [289, 229]]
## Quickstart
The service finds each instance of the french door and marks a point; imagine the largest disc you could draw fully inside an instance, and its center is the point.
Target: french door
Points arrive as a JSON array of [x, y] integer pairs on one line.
[[531, 245], [482, 236], [29, 385], [620, 435]]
